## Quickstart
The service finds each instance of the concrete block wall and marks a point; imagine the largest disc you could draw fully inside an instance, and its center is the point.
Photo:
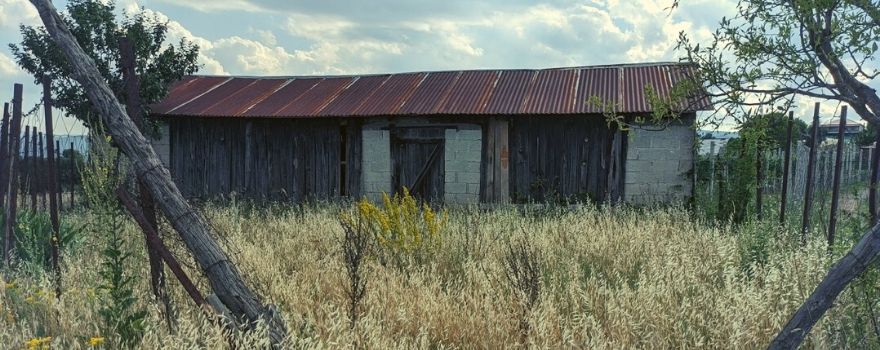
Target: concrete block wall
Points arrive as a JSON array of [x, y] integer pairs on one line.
[[376, 167], [162, 145], [463, 154], [659, 164]]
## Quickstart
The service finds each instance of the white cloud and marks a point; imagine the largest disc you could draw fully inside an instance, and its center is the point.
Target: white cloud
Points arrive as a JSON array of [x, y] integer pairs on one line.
[[8, 66], [16, 12]]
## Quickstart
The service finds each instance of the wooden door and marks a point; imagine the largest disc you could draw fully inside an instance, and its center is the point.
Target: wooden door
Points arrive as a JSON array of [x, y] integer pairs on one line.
[[417, 156]]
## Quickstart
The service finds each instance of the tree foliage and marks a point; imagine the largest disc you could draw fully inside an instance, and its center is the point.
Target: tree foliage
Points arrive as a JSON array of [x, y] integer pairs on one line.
[[773, 50], [96, 27]]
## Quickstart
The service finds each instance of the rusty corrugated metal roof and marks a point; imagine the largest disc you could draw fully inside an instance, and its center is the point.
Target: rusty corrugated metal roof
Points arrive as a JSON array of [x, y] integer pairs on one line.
[[477, 92]]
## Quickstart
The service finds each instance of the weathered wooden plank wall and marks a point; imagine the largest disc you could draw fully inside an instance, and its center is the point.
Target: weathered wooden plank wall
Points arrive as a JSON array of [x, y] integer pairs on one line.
[[554, 158], [495, 170], [264, 158]]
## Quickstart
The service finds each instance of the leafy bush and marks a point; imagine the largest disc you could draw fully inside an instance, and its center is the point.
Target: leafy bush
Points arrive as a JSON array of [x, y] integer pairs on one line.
[[33, 234]]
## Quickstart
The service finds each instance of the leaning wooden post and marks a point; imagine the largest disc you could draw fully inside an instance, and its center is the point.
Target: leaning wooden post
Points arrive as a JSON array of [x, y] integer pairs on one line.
[[4, 152], [785, 168], [57, 166], [194, 230], [147, 206], [153, 239], [41, 171], [808, 182], [26, 165], [51, 182], [12, 188], [835, 186]]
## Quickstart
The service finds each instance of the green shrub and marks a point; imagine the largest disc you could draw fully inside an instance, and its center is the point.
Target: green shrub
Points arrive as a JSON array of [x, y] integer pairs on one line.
[[33, 234]]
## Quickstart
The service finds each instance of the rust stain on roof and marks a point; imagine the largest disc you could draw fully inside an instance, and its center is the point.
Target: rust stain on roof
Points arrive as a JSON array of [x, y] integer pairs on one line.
[[558, 91]]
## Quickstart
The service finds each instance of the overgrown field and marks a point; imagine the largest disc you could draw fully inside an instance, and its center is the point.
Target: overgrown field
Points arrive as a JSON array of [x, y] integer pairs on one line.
[[606, 278]]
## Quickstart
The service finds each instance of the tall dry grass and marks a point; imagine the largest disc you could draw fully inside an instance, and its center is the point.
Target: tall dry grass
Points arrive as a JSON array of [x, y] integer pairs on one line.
[[610, 278]]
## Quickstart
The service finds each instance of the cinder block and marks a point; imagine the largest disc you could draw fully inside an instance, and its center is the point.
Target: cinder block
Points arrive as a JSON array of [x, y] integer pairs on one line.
[[472, 156], [468, 177], [655, 154], [456, 187], [473, 188]]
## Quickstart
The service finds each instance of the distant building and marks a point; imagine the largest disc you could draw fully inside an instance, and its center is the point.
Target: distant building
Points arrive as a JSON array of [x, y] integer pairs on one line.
[[850, 131], [713, 141]]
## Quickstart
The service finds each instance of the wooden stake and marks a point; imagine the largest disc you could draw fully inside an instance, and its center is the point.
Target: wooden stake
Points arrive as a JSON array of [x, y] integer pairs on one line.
[[4, 152], [759, 182], [808, 182], [26, 164], [835, 189], [51, 182], [41, 171], [875, 176], [32, 169], [147, 206], [57, 166], [12, 188], [785, 169], [73, 172]]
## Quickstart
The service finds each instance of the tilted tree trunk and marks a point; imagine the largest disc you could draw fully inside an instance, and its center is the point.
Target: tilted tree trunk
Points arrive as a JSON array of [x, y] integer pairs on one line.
[[193, 229]]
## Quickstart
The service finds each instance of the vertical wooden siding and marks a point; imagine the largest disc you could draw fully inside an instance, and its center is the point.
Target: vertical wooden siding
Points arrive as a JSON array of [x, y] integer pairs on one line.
[[555, 158], [263, 158]]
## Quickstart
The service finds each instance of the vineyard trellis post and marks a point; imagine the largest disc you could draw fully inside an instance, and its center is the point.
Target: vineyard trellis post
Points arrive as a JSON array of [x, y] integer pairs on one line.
[[40, 171], [785, 168], [32, 166], [875, 176], [51, 184], [808, 184], [12, 188], [58, 190], [147, 205], [759, 181], [73, 173], [4, 152], [26, 163], [835, 189]]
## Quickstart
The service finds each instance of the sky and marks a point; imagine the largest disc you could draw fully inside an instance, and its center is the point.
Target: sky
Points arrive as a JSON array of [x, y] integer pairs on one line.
[[293, 37]]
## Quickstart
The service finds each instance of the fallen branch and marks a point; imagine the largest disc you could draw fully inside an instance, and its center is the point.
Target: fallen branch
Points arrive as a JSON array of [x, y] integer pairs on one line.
[[845, 270]]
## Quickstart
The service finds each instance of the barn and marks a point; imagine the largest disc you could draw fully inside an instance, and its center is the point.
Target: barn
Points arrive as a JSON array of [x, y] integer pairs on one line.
[[450, 136]]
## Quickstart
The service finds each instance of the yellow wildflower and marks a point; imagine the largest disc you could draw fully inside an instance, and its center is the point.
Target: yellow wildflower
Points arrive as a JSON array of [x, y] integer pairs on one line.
[[95, 341], [35, 343]]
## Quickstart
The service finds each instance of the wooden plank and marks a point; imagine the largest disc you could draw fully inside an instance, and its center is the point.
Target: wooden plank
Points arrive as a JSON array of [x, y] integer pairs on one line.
[[786, 165], [501, 164]]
